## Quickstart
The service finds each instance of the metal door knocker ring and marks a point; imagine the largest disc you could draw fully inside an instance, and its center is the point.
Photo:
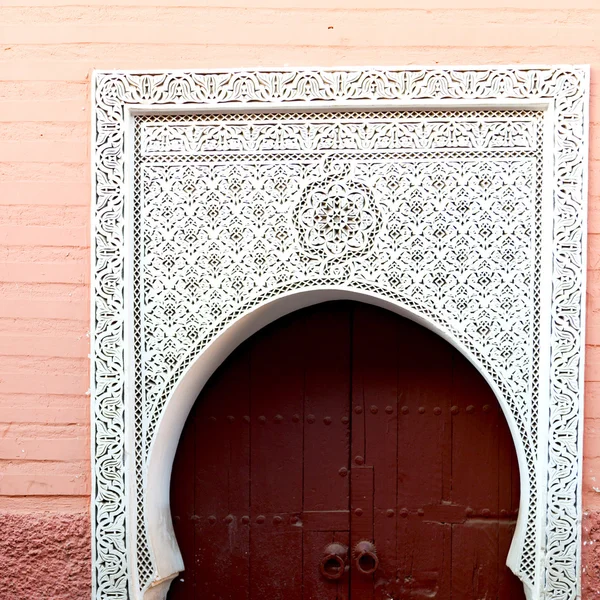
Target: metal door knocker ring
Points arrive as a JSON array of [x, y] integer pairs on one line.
[[333, 563], [365, 556]]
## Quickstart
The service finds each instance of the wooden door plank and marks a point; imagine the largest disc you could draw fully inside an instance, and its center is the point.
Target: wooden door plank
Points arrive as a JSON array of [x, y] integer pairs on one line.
[[424, 424], [385, 534], [424, 559], [276, 459], [326, 408], [316, 586], [375, 351], [358, 425], [361, 515], [424, 462], [277, 394], [375, 358], [276, 569], [361, 527], [326, 496], [509, 585], [475, 441], [221, 489], [237, 385], [475, 560]]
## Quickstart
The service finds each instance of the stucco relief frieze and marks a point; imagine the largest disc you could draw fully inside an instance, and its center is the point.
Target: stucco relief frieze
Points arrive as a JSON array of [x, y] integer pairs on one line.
[[441, 211]]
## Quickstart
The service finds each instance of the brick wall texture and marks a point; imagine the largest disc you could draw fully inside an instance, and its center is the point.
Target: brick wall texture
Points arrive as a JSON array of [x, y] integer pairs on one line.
[[48, 49]]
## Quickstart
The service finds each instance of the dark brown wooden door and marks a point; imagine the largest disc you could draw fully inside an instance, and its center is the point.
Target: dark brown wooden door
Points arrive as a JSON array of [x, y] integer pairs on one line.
[[345, 426]]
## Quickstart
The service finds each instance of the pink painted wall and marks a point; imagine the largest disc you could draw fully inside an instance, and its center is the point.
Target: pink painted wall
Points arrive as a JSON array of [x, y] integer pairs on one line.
[[48, 49]]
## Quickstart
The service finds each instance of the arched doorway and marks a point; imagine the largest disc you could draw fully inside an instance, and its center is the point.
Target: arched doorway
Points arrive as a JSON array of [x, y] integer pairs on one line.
[[345, 426]]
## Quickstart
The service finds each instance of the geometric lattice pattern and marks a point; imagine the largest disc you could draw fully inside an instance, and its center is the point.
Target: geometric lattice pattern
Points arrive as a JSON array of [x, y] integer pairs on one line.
[[442, 211], [387, 202]]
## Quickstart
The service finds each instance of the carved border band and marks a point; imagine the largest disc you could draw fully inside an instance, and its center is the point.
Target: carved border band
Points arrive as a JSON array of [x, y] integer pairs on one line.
[[563, 90]]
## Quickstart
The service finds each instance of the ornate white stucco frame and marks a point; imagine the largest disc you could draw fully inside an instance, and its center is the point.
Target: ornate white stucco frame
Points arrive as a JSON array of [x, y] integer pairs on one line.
[[561, 92]]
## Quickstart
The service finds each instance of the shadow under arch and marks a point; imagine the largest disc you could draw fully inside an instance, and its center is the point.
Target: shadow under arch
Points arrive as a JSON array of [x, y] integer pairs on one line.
[[162, 541]]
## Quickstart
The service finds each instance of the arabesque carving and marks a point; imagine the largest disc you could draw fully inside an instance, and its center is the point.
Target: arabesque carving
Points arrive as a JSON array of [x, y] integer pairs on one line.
[[440, 210]]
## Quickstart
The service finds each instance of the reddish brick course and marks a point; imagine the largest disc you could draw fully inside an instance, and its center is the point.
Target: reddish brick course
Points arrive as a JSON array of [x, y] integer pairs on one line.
[[590, 577], [45, 556]]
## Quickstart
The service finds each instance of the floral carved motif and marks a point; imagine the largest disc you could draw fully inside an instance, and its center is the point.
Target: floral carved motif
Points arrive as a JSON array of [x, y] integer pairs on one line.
[[337, 217]]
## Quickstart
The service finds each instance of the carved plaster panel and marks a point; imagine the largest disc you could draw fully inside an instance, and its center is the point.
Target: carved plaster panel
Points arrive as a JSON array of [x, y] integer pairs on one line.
[[456, 195]]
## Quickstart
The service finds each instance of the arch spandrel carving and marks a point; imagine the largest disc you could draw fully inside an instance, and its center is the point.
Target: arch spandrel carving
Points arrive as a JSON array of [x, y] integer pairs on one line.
[[447, 213]]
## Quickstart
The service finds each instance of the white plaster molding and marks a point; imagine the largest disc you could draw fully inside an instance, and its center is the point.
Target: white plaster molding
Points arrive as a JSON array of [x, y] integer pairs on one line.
[[513, 197]]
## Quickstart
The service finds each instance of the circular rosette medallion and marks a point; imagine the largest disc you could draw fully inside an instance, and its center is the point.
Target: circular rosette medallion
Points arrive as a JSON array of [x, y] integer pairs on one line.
[[337, 218]]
